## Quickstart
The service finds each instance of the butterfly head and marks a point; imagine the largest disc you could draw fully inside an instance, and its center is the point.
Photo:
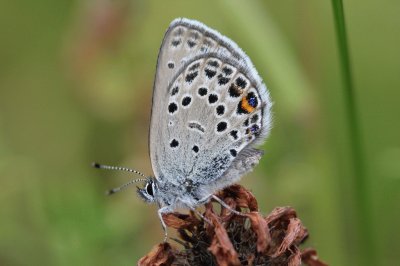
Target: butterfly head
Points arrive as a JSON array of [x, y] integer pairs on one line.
[[149, 191]]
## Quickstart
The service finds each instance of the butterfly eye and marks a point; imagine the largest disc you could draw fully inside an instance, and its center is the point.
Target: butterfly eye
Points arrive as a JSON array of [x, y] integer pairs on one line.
[[149, 189]]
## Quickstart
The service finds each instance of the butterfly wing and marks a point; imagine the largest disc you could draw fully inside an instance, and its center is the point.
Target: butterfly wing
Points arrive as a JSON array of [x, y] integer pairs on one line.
[[210, 107]]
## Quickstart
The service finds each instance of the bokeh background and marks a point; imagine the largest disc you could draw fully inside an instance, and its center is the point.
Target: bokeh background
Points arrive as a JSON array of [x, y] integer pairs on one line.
[[75, 87]]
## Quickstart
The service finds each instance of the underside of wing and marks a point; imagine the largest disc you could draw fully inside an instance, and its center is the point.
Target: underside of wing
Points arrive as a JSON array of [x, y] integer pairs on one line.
[[214, 110], [210, 107], [183, 40]]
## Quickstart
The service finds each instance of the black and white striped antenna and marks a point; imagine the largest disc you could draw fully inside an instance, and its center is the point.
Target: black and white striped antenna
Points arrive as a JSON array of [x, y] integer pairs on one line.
[[118, 168]]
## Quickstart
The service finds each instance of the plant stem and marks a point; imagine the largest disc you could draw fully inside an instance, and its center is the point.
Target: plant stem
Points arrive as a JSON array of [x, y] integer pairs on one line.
[[365, 232]]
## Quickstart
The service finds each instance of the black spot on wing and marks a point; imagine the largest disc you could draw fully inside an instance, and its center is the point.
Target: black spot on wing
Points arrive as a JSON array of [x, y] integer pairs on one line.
[[210, 73], [254, 118], [227, 71], [186, 100], [220, 110], [202, 91], [221, 126], [174, 143], [213, 63], [222, 80], [191, 76], [176, 42], [241, 82], [174, 91], [234, 91], [212, 98], [172, 108], [197, 126], [234, 134], [191, 43]]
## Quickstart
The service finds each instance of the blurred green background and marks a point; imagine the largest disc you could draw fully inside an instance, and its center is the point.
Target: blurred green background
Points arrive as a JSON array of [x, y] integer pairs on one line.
[[75, 87]]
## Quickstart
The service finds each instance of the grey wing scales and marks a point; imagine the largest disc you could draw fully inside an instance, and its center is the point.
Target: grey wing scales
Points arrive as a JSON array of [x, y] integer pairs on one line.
[[210, 107], [183, 40], [213, 113]]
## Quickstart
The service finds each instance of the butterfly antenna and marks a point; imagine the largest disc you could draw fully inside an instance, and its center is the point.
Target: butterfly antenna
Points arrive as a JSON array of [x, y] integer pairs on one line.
[[118, 168], [124, 186]]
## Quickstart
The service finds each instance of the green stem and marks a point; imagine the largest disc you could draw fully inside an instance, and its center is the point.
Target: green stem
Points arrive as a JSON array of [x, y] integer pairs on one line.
[[366, 245]]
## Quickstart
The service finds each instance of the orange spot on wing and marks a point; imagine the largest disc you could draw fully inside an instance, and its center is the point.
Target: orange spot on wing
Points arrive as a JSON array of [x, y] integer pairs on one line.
[[246, 106]]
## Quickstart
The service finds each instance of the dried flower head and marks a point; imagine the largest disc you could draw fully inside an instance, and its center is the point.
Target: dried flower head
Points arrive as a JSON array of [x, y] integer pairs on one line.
[[229, 239]]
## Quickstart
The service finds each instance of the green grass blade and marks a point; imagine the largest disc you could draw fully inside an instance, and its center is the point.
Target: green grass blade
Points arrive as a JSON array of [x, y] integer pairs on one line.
[[364, 222]]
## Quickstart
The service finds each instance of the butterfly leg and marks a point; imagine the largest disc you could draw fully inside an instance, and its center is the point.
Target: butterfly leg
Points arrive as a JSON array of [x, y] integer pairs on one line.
[[204, 200], [164, 226], [199, 214], [220, 201]]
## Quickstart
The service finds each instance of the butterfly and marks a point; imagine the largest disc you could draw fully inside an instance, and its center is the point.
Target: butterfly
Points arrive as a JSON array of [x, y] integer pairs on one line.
[[210, 108]]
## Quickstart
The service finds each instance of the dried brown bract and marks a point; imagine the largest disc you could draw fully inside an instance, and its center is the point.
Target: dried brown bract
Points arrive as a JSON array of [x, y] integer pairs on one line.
[[160, 255], [229, 239]]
